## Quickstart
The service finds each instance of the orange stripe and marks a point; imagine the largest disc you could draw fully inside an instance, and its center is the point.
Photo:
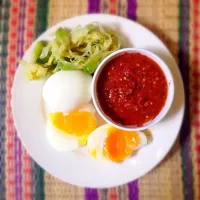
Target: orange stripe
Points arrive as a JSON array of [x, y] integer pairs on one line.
[[10, 132]]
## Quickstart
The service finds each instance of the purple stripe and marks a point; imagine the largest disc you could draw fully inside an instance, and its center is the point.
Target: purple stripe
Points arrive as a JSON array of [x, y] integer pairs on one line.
[[18, 148], [18, 166], [185, 138], [131, 9], [133, 190], [93, 6], [91, 194]]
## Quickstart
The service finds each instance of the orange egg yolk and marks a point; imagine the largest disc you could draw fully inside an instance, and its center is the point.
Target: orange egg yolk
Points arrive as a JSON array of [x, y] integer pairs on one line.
[[120, 144], [75, 123]]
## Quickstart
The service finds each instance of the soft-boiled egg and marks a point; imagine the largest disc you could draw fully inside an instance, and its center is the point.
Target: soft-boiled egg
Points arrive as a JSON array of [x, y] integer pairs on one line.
[[70, 116], [66, 91], [114, 144], [68, 131]]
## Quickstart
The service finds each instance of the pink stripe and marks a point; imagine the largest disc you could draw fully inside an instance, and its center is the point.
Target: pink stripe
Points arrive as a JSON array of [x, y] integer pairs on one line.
[[113, 6], [18, 148], [27, 169]]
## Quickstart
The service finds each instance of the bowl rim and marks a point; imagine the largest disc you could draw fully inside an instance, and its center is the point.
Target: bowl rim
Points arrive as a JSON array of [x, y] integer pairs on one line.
[[164, 68]]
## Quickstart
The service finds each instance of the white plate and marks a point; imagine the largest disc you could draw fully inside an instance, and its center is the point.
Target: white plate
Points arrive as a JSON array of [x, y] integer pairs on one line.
[[76, 167]]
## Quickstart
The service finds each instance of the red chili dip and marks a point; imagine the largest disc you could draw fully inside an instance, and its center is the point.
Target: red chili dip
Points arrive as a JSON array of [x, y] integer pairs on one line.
[[132, 89]]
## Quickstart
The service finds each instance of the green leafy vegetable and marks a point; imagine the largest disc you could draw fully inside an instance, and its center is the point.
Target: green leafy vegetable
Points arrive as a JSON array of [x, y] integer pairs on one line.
[[81, 48], [63, 36], [38, 50], [91, 64], [65, 65]]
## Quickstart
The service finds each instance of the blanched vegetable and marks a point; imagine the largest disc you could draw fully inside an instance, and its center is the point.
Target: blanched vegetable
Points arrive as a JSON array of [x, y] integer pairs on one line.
[[36, 71], [81, 48], [38, 50]]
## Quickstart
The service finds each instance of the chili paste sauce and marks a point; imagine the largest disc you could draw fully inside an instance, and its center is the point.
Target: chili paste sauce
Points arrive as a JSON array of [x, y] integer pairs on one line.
[[132, 89]]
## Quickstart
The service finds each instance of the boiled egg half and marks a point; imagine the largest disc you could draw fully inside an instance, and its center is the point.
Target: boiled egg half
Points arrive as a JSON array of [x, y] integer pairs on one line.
[[68, 131], [114, 144]]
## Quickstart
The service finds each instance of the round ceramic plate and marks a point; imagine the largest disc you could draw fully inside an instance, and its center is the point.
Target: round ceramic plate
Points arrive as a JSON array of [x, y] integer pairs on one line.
[[78, 167]]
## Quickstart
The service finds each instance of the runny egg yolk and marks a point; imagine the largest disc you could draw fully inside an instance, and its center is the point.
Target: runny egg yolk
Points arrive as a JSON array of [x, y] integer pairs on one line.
[[77, 123], [120, 144]]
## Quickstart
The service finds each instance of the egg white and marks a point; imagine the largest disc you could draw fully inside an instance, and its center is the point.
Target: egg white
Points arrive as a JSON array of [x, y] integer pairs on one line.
[[66, 91], [59, 140], [96, 140], [143, 140]]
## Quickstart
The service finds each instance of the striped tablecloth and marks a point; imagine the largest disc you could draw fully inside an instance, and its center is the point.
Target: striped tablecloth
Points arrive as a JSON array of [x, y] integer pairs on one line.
[[177, 23]]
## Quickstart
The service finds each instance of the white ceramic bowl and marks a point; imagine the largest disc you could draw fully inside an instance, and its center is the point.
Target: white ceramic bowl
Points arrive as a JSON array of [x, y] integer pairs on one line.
[[166, 72]]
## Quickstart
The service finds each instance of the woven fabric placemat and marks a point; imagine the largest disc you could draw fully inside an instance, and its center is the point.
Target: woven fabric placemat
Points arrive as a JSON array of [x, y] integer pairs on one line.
[[177, 23]]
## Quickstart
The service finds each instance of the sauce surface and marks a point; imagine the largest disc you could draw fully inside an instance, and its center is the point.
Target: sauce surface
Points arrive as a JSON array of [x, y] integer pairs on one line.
[[132, 89]]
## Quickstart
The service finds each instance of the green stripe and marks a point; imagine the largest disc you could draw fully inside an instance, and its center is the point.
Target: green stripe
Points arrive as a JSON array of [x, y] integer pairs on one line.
[[4, 29], [185, 140], [41, 22]]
